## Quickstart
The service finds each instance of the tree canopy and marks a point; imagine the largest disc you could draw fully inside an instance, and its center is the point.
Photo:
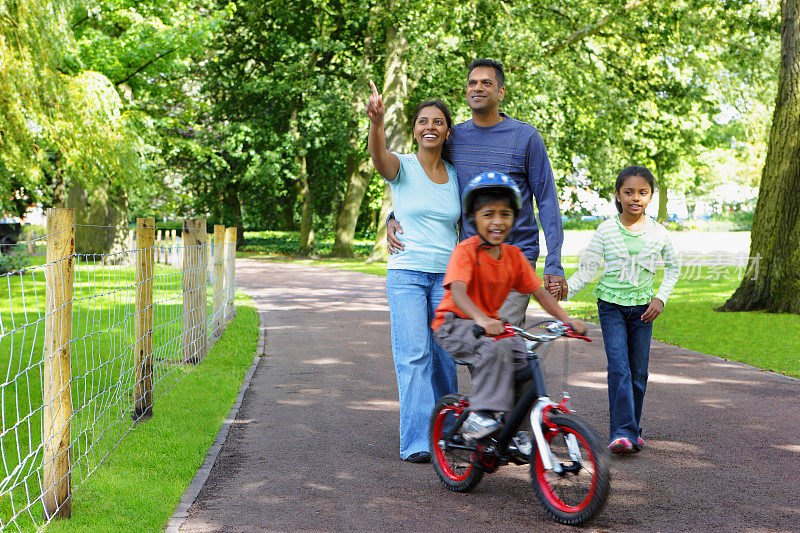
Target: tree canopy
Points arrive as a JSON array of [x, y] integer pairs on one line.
[[252, 111]]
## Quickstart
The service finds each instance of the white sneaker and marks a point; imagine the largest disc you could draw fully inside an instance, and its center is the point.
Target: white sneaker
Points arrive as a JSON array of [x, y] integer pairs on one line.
[[522, 442], [477, 426]]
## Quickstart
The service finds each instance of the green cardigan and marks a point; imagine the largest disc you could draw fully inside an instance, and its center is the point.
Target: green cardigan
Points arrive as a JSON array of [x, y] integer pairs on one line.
[[627, 278]]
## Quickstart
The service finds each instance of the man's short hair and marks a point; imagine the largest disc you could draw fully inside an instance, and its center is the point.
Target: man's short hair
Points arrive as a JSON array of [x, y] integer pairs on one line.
[[496, 65]]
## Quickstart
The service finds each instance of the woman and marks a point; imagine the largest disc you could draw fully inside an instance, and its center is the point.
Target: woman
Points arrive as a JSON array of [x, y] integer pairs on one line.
[[426, 203]]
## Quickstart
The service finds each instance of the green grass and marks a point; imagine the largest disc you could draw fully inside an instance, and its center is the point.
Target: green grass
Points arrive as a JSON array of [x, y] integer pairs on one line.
[[102, 369], [764, 340], [138, 487], [285, 243]]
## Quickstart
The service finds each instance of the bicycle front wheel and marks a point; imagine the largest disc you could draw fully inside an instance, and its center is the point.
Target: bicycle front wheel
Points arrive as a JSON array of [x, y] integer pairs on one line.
[[576, 490]]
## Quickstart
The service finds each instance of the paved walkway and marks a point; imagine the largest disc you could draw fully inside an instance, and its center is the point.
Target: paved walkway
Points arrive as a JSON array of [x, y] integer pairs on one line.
[[315, 444]]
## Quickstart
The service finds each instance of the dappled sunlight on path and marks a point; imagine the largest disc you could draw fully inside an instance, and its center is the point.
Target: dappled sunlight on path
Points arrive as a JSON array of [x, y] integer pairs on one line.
[[316, 443]]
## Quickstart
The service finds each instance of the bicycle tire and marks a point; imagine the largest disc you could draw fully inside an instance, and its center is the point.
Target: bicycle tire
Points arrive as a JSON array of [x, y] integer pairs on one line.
[[574, 496], [454, 468]]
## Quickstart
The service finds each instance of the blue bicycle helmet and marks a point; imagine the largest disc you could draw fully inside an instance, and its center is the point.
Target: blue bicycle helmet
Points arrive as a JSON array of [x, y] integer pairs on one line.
[[495, 182]]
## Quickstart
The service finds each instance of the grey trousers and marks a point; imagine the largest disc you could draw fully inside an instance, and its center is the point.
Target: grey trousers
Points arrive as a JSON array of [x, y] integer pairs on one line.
[[492, 363]]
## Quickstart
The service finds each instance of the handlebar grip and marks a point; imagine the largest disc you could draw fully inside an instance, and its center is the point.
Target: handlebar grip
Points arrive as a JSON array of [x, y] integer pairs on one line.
[[478, 331]]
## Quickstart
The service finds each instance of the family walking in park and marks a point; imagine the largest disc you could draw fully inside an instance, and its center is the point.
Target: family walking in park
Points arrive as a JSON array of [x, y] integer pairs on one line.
[[464, 242]]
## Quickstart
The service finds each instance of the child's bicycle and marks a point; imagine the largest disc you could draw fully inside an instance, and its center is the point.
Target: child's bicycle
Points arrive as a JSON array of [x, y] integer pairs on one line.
[[569, 462]]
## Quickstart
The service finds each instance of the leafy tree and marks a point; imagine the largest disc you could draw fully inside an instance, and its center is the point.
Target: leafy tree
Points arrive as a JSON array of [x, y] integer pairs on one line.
[[774, 281], [60, 124]]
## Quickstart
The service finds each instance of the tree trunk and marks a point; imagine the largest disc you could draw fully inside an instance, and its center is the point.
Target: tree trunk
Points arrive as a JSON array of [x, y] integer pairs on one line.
[[359, 168], [379, 252], [663, 191], [101, 217], [359, 171], [398, 138], [772, 282], [307, 241]]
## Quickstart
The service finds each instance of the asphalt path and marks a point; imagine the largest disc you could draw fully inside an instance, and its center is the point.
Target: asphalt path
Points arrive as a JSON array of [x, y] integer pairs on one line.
[[315, 445]]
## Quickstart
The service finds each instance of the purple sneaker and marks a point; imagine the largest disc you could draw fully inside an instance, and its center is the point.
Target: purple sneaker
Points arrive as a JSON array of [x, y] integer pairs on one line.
[[621, 446]]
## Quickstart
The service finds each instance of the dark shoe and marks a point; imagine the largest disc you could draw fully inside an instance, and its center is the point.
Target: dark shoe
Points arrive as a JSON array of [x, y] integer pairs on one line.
[[419, 457]]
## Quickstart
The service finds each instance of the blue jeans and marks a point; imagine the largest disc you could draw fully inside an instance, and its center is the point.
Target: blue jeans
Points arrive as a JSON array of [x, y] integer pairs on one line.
[[627, 343], [425, 372]]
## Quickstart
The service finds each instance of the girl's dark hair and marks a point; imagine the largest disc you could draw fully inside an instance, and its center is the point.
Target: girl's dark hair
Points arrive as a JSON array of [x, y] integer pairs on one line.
[[627, 173], [433, 103]]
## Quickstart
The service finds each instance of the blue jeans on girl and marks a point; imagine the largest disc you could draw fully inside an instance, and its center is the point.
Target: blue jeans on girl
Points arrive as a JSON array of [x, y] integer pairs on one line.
[[627, 343], [425, 372]]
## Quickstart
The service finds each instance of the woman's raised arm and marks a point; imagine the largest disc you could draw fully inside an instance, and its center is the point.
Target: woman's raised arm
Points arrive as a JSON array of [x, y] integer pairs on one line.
[[386, 163]]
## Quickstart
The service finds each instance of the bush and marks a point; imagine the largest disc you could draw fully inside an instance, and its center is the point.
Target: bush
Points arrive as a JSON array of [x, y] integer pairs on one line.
[[578, 224], [12, 263], [738, 220]]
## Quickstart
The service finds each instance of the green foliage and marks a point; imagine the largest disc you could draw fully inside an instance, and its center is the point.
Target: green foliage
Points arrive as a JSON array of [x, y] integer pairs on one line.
[[737, 220], [12, 263], [155, 52], [59, 123], [582, 225]]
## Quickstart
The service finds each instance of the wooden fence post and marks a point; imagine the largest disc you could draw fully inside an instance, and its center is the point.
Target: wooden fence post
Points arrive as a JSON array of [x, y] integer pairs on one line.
[[230, 272], [194, 290], [56, 370], [173, 248], [219, 280], [143, 323]]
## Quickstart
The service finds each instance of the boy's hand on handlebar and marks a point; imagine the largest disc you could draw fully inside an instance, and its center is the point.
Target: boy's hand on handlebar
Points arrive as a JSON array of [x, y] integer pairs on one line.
[[394, 245], [578, 326], [653, 310], [493, 327]]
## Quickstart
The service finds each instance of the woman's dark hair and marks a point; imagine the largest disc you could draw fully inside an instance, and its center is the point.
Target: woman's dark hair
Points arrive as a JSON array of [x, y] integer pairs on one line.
[[491, 63], [437, 104], [626, 173]]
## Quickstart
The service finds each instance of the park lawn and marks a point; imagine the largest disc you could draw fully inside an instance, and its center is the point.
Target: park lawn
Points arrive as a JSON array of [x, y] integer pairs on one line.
[[140, 484], [765, 340]]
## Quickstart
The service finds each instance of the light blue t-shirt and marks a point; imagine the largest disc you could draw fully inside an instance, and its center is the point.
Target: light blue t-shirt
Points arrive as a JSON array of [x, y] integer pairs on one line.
[[428, 212]]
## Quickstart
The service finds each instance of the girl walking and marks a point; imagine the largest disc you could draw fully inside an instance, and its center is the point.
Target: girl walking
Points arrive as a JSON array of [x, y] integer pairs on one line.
[[628, 246]]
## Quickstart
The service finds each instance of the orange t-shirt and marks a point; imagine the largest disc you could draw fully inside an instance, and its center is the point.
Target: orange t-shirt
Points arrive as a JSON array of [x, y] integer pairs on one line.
[[488, 280]]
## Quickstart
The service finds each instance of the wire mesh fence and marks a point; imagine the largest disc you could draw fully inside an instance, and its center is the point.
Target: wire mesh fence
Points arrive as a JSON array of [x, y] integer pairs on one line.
[[88, 344]]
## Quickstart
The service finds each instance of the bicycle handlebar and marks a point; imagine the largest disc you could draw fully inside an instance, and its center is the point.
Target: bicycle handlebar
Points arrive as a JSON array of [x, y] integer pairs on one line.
[[557, 329]]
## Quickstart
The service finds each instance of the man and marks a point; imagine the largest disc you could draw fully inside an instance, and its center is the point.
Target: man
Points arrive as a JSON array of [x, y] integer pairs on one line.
[[492, 140]]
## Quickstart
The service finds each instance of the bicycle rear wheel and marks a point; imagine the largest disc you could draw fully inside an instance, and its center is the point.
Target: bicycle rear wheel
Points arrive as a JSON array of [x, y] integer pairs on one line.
[[454, 467], [579, 491]]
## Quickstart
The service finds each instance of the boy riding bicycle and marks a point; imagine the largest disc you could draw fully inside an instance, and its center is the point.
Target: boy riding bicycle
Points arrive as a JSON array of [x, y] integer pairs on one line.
[[481, 272]]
